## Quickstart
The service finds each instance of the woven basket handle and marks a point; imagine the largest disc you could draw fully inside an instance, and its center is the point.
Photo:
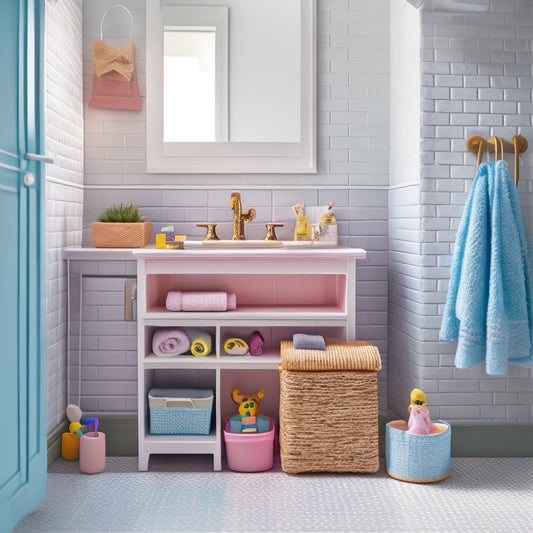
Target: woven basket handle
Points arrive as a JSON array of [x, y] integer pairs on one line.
[[105, 14], [179, 402]]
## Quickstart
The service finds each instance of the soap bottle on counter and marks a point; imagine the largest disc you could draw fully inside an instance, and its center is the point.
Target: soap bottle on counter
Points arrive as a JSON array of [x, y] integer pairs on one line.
[[302, 230]]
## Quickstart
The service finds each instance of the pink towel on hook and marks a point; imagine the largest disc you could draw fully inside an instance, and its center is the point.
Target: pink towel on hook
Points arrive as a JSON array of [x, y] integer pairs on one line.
[[201, 301]]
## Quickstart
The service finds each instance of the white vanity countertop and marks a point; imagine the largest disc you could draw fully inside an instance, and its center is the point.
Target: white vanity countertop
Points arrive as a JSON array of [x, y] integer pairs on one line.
[[131, 254]]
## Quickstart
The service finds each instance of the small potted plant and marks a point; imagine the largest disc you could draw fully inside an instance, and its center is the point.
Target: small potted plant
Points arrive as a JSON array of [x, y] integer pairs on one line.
[[121, 226]]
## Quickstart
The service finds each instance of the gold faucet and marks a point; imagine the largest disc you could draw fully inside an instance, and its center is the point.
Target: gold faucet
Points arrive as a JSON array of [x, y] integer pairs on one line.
[[239, 218]]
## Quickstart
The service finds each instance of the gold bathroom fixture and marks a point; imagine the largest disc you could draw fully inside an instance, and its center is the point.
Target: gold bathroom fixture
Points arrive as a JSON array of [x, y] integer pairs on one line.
[[498, 146], [211, 234], [239, 218], [271, 230]]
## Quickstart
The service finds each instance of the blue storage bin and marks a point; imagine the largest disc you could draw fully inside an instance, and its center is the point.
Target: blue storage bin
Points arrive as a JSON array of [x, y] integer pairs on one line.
[[180, 411], [417, 458]]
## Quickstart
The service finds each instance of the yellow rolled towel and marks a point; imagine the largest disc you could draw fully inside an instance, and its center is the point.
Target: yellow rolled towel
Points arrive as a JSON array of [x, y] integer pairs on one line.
[[201, 342]]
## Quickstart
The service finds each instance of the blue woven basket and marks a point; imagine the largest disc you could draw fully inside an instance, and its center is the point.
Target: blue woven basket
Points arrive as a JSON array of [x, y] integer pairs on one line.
[[418, 458], [180, 411]]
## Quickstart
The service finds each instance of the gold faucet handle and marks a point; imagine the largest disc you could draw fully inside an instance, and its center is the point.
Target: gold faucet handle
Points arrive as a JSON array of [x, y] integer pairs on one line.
[[271, 230], [211, 234]]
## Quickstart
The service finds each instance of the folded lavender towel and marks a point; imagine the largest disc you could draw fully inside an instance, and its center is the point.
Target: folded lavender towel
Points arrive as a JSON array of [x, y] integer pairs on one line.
[[201, 301], [170, 341], [302, 341]]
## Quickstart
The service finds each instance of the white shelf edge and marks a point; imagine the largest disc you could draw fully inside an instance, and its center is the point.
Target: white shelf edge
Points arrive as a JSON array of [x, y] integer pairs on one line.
[[223, 362]]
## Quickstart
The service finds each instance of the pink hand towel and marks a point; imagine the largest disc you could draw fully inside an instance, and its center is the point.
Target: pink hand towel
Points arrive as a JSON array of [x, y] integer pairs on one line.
[[208, 301], [169, 342], [201, 301]]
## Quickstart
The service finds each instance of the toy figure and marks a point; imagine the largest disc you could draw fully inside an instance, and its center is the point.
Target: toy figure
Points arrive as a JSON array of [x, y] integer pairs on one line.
[[248, 410], [328, 217], [419, 422]]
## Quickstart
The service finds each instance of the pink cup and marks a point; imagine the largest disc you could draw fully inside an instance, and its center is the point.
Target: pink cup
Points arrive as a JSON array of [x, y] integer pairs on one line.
[[92, 452]]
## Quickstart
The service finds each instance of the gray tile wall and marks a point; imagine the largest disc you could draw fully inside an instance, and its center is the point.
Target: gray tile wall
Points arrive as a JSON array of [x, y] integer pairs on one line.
[[103, 346]]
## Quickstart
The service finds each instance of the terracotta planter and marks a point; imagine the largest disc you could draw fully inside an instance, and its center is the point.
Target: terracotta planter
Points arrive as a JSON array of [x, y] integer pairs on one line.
[[121, 234]]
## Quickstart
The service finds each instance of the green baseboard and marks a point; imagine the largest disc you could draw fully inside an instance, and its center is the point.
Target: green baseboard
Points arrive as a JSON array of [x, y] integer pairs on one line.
[[53, 441], [120, 433], [495, 440]]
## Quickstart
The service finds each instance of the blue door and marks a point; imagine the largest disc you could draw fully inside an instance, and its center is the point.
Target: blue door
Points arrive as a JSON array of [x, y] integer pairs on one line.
[[22, 349]]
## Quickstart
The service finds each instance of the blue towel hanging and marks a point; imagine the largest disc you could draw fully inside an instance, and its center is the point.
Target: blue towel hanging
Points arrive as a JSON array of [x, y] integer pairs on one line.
[[489, 309]]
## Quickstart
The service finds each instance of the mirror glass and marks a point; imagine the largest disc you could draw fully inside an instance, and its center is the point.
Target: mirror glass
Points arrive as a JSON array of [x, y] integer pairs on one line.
[[195, 74], [230, 86]]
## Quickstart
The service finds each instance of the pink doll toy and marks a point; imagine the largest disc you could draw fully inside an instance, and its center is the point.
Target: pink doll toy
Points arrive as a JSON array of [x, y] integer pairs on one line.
[[420, 422]]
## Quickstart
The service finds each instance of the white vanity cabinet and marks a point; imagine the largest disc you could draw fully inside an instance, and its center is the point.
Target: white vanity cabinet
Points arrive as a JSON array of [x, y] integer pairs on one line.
[[278, 291]]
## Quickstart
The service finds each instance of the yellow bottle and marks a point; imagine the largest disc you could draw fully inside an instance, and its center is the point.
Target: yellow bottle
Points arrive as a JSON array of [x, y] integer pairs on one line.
[[302, 230]]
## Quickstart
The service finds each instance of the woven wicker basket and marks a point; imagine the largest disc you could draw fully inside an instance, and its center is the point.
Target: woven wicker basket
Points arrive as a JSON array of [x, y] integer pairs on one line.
[[121, 234], [328, 408]]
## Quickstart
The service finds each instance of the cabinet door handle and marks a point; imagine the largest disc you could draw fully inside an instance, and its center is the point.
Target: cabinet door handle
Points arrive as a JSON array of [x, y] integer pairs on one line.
[[130, 299]]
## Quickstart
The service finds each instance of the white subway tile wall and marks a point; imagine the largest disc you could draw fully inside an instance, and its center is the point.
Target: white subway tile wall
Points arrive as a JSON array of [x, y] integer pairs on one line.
[[64, 181], [393, 109], [353, 140], [476, 80]]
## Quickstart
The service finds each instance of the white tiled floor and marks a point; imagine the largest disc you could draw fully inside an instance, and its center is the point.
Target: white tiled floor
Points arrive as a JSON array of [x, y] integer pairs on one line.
[[182, 493]]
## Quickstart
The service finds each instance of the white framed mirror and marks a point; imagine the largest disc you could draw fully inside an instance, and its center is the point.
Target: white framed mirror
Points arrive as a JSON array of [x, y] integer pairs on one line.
[[256, 60]]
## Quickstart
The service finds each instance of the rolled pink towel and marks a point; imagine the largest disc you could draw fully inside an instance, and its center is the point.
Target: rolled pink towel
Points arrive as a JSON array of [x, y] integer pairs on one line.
[[255, 343], [170, 341], [208, 301], [174, 301], [201, 301]]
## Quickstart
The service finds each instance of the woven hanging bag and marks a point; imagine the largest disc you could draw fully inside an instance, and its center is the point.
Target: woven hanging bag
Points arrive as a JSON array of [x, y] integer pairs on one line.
[[114, 78]]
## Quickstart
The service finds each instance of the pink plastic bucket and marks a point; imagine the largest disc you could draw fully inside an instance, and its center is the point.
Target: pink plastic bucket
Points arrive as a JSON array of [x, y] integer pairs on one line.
[[250, 452]]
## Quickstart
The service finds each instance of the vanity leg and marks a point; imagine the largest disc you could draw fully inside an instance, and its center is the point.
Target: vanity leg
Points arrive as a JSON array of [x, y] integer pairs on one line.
[[217, 462], [143, 461]]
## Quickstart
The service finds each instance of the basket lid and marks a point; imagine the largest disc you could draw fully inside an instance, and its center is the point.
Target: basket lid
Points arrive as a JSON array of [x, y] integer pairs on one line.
[[180, 393], [338, 355]]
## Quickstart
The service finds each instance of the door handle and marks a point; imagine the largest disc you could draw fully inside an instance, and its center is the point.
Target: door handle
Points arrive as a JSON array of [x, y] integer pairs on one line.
[[40, 157]]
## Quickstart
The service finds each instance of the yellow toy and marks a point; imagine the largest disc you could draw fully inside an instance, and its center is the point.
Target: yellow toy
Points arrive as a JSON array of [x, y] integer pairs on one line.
[[248, 409], [418, 398]]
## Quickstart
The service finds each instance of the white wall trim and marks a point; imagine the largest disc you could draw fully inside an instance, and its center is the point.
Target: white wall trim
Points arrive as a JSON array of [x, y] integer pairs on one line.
[[65, 183], [235, 186]]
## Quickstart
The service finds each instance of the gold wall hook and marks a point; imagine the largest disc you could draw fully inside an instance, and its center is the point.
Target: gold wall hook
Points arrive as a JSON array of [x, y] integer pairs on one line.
[[498, 146]]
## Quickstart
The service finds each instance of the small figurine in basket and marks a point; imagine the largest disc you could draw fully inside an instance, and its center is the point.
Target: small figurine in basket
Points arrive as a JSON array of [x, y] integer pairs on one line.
[[248, 410], [420, 422]]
